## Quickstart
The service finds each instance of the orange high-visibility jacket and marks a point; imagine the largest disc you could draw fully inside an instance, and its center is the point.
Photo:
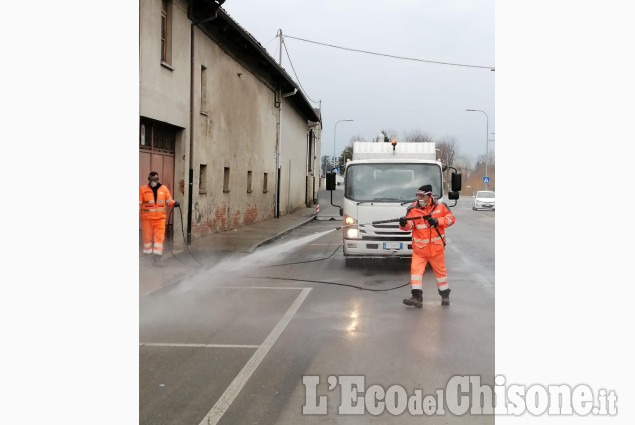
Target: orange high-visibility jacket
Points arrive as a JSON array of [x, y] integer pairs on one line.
[[148, 208], [425, 239]]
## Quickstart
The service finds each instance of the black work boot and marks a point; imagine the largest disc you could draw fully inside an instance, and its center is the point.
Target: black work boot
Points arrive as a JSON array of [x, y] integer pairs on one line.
[[416, 300], [445, 296]]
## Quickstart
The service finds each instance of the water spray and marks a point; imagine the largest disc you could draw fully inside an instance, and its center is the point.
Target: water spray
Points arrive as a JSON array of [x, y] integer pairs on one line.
[[308, 261]]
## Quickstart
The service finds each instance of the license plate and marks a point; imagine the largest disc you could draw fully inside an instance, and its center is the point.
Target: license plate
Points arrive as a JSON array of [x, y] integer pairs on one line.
[[487, 205], [392, 245]]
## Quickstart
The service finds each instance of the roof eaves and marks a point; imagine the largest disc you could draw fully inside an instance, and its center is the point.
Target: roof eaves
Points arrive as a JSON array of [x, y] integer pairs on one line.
[[265, 55], [263, 52]]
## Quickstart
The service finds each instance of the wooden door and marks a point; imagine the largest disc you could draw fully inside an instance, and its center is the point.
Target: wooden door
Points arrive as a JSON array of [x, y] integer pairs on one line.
[[156, 153]]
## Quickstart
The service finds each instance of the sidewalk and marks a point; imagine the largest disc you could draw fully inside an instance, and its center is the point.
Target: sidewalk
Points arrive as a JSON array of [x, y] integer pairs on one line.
[[179, 264]]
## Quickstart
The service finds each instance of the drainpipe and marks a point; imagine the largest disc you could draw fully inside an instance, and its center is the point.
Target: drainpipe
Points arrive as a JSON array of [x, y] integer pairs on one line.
[[306, 168], [191, 171]]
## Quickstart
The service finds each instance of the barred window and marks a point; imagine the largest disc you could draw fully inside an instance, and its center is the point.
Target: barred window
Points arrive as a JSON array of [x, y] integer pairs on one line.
[[164, 138], [157, 136]]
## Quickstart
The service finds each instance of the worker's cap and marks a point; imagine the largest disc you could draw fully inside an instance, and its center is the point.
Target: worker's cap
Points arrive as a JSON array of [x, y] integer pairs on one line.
[[426, 189]]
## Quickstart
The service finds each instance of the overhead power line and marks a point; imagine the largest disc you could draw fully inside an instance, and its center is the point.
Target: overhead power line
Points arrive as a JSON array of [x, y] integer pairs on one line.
[[296, 74], [391, 56], [271, 41]]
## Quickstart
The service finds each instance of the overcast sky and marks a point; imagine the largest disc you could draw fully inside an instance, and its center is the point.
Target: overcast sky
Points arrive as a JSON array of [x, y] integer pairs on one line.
[[380, 92]]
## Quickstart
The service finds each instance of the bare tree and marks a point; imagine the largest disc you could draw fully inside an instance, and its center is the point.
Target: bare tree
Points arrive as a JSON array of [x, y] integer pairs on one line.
[[480, 161], [347, 153], [475, 180], [326, 164], [447, 150], [417, 136], [358, 138], [388, 135], [463, 163]]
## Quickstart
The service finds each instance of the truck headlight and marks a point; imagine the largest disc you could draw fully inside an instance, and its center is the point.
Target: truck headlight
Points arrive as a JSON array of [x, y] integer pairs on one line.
[[350, 228]]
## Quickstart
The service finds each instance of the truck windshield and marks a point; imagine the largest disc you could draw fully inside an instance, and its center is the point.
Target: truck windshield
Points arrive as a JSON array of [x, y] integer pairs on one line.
[[386, 182]]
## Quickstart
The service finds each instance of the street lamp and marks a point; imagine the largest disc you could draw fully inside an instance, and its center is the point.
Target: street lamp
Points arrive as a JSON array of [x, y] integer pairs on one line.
[[486, 143], [334, 139]]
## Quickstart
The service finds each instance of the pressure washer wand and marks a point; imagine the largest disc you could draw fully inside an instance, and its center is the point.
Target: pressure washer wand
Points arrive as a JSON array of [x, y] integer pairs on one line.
[[425, 217], [394, 220]]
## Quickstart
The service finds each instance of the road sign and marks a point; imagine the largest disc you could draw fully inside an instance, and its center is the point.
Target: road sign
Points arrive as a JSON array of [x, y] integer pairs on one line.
[[485, 179]]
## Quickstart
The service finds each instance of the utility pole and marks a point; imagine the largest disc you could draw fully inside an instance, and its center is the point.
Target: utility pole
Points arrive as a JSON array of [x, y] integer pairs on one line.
[[278, 96]]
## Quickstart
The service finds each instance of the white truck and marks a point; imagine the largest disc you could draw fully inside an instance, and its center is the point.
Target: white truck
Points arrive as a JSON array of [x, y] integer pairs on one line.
[[379, 183]]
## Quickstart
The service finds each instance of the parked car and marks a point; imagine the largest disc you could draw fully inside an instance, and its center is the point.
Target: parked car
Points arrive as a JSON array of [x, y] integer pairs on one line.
[[484, 200]]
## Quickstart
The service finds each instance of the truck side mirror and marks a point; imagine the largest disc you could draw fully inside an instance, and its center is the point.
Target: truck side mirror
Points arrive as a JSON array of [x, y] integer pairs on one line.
[[456, 183], [452, 196], [330, 181]]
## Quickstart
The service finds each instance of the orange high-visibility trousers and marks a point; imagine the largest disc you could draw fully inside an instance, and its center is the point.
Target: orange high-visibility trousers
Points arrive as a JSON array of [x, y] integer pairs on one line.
[[153, 230], [418, 266]]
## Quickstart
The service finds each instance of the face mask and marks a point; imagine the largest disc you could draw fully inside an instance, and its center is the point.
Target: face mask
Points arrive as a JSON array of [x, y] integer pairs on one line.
[[154, 184]]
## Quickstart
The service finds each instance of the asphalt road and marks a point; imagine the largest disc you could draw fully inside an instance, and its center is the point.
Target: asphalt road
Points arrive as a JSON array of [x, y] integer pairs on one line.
[[233, 345]]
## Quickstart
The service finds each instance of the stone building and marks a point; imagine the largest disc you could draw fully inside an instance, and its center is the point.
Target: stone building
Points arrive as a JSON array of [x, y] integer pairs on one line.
[[228, 130]]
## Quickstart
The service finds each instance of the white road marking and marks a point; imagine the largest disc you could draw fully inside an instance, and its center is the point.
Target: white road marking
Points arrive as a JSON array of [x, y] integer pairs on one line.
[[223, 403], [167, 344]]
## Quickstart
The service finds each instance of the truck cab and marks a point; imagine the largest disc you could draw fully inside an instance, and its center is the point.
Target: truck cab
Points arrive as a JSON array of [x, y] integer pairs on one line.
[[379, 184]]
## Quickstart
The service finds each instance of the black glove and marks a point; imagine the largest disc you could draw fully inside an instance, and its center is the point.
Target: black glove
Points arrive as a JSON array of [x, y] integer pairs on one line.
[[433, 221], [402, 221], [177, 204]]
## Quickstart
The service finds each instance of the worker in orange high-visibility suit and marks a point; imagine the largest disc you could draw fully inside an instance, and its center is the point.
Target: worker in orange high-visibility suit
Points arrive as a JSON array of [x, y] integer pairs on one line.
[[154, 198], [428, 244]]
